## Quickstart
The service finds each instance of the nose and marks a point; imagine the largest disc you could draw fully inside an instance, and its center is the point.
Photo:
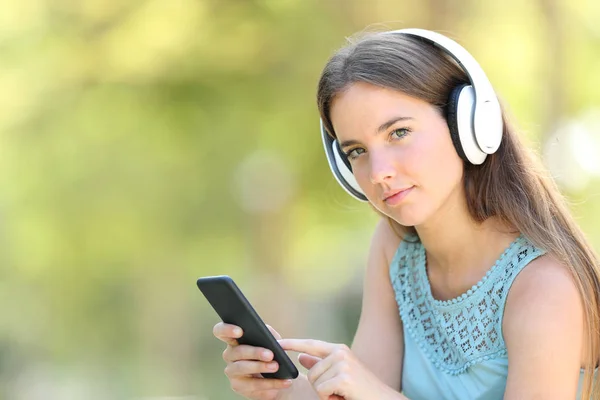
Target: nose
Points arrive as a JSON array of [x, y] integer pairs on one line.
[[382, 168]]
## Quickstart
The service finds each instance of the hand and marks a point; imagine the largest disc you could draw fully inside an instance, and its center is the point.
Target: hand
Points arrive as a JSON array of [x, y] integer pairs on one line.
[[245, 363], [335, 372]]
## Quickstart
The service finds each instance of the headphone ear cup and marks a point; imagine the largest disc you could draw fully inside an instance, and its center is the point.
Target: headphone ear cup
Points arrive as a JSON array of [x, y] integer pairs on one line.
[[451, 118], [340, 166], [461, 105], [343, 166]]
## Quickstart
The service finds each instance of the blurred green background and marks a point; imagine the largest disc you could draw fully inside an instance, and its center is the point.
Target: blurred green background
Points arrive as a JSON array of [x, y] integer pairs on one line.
[[149, 142]]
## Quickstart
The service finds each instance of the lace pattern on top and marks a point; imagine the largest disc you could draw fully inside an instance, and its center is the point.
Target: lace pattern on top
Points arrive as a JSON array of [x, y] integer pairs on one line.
[[466, 330]]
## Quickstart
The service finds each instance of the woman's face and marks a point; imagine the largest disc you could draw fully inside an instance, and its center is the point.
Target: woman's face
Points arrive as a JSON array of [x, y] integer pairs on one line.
[[400, 150]]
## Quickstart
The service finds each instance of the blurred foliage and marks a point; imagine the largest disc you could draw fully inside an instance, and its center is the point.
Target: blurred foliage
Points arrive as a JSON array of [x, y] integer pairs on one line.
[[149, 142]]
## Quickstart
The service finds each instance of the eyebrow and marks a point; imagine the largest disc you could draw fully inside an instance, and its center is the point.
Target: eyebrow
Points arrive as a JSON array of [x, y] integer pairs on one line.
[[381, 128]]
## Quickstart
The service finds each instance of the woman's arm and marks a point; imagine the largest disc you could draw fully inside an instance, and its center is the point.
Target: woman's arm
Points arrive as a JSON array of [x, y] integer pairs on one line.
[[543, 331], [379, 341]]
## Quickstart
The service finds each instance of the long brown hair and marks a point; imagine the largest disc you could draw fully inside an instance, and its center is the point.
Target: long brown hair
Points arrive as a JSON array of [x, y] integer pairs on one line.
[[511, 185]]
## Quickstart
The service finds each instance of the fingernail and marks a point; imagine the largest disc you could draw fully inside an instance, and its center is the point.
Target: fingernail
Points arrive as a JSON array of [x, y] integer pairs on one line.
[[287, 382], [237, 331], [266, 355], [272, 366]]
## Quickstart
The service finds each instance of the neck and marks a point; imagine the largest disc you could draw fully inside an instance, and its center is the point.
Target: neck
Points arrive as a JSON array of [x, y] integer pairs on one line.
[[455, 242]]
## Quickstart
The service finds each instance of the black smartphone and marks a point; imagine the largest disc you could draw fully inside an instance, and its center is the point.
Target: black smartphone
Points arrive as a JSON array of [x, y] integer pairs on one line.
[[231, 305]]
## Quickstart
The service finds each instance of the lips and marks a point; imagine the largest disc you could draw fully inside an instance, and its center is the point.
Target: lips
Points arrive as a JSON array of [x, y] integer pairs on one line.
[[391, 193], [394, 197]]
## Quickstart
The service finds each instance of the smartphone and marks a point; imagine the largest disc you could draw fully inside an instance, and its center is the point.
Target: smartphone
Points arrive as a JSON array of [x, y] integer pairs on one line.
[[231, 305]]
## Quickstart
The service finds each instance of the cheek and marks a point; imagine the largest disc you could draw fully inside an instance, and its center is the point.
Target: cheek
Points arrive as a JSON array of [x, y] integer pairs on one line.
[[361, 174], [441, 166]]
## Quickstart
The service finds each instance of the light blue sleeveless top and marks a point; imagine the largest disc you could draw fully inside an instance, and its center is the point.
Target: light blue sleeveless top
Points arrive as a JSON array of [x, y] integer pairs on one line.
[[455, 349]]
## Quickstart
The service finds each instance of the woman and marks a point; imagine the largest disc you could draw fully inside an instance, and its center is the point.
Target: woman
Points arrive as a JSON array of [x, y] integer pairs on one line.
[[479, 284]]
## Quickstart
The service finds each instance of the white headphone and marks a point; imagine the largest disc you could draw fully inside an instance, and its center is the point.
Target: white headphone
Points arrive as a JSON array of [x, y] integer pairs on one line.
[[474, 115]]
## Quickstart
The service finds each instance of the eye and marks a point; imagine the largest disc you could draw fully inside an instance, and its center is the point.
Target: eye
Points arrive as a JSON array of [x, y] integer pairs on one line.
[[396, 134], [399, 133], [354, 153]]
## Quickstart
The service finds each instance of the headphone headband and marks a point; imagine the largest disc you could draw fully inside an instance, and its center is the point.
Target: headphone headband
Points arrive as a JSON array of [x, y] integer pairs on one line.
[[486, 105]]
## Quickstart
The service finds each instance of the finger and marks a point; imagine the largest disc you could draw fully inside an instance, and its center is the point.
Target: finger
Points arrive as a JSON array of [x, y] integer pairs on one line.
[[308, 361], [222, 329], [274, 332], [323, 369], [231, 342], [330, 387], [312, 347], [325, 375], [227, 333], [246, 352], [246, 367]]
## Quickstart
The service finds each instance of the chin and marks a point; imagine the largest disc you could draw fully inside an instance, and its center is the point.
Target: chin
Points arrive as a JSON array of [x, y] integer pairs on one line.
[[408, 221], [405, 215]]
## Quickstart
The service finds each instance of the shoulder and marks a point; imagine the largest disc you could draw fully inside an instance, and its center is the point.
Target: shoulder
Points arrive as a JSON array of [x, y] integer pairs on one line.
[[543, 329], [544, 284], [385, 240], [543, 310]]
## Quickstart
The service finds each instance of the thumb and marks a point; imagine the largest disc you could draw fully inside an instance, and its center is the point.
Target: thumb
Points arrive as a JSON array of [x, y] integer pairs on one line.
[[308, 361]]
